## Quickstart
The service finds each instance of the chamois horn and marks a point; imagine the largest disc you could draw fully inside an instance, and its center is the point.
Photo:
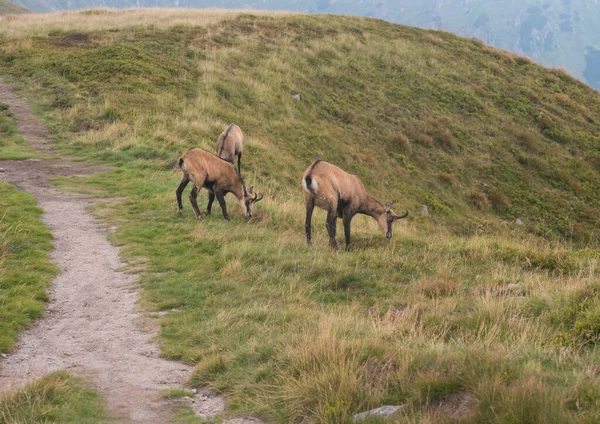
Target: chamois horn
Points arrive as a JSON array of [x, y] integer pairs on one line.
[[401, 217]]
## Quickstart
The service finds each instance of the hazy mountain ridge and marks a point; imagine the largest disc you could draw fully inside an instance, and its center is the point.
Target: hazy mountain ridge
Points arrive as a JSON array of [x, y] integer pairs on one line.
[[558, 33], [7, 8]]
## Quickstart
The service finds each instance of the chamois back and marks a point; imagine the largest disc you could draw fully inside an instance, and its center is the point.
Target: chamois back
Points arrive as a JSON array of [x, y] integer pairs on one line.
[[230, 143], [202, 165], [327, 181]]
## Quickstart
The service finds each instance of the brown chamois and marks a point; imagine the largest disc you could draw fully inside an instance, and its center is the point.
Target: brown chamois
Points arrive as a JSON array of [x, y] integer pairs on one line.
[[230, 144], [218, 176], [342, 195]]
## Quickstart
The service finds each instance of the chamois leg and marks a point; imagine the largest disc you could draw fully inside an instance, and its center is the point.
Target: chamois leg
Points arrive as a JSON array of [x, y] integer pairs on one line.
[[194, 202], [310, 205], [347, 219], [211, 199], [182, 185], [239, 164], [331, 224], [221, 200]]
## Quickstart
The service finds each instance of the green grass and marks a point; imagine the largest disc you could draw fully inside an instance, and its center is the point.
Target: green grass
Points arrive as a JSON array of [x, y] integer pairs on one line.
[[460, 301], [25, 269], [12, 144], [56, 398]]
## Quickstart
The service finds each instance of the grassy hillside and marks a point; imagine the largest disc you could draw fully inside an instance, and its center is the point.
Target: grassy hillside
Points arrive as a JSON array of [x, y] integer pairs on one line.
[[554, 33], [7, 8], [25, 269], [462, 316], [426, 118]]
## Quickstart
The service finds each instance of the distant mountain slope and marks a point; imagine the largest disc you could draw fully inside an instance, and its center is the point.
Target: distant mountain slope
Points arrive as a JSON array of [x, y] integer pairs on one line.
[[556, 33], [7, 8]]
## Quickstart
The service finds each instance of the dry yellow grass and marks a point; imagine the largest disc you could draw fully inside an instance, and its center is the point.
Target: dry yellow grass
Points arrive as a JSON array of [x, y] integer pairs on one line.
[[41, 24]]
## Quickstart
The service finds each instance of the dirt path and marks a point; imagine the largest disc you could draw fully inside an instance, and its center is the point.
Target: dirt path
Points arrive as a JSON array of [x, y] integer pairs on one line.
[[92, 326]]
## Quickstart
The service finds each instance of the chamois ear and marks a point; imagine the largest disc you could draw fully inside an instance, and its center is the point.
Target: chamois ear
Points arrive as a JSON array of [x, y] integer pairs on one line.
[[388, 206], [250, 189]]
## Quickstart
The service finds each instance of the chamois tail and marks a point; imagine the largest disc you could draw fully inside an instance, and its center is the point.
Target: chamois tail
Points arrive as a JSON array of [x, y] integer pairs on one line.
[[309, 183]]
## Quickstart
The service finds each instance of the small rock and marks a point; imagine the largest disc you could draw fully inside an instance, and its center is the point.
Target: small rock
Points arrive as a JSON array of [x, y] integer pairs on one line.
[[296, 96], [1, 169], [518, 222], [4, 355], [246, 420], [384, 411], [208, 407], [424, 210]]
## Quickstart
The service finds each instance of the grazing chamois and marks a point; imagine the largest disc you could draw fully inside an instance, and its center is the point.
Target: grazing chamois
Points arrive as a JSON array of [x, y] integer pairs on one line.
[[342, 195], [230, 144], [218, 176]]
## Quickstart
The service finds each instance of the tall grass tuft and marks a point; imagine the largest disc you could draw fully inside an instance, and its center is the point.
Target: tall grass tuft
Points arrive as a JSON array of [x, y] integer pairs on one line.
[[58, 397]]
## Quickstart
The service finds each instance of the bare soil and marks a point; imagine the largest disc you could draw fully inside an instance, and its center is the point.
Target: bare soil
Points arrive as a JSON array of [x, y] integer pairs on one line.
[[92, 326], [458, 406]]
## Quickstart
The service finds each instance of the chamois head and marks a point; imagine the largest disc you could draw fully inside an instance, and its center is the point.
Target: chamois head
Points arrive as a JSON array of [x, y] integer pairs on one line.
[[386, 220], [248, 201]]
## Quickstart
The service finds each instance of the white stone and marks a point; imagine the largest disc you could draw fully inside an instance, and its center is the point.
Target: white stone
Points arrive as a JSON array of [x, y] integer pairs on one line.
[[384, 411]]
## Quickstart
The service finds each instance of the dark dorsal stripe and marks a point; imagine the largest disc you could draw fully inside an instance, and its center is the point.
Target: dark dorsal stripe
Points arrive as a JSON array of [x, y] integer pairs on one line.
[[225, 138], [312, 166], [228, 129]]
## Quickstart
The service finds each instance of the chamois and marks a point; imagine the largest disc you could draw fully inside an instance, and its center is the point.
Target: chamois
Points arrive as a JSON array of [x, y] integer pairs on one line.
[[218, 176], [230, 144], [342, 195]]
